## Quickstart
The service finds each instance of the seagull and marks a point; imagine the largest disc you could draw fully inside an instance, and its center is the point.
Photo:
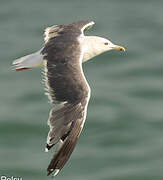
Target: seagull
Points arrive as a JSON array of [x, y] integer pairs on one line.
[[65, 49]]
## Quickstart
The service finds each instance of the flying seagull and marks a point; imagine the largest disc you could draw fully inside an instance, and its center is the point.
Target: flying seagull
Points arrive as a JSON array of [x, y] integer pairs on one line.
[[64, 50]]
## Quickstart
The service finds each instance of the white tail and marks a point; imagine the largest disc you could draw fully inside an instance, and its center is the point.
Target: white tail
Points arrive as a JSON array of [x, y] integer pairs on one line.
[[30, 61]]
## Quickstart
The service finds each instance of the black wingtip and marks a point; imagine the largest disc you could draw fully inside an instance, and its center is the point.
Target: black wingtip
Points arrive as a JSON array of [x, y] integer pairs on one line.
[[62, 155], [49, 172], [49, 147], [56, 171]]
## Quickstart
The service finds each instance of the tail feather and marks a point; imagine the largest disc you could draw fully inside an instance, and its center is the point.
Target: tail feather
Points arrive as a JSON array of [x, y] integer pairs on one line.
[[29, 61], [67, 146]]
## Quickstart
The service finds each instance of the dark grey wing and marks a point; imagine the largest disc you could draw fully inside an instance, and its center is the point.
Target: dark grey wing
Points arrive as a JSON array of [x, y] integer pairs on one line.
[[66, 86], [67, 135], [76, 28]]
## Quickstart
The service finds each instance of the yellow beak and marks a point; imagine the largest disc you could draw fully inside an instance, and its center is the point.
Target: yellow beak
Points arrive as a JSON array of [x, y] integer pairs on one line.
[[120, 48]]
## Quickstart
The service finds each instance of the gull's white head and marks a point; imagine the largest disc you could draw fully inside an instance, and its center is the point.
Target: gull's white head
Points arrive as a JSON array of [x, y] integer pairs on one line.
[[94, 45]]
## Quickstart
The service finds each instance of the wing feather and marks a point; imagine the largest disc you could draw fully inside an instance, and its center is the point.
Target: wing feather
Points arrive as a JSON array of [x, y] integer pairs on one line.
[[75, 27], [67, 146], [67, 87]]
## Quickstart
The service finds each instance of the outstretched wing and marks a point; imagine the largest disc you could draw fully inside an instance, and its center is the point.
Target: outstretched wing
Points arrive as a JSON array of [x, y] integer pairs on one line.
[[65, 129], [68, 88], [77, 28]]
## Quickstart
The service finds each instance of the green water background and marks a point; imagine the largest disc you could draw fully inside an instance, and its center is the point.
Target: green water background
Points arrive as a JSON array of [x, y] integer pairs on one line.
[[123, 135]]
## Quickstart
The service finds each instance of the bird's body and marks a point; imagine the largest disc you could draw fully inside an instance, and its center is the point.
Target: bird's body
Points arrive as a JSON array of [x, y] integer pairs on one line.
[[65, 49]]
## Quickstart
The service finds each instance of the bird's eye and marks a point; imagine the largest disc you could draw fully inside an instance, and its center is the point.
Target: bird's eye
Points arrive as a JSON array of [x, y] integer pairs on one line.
[[106, 43]]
